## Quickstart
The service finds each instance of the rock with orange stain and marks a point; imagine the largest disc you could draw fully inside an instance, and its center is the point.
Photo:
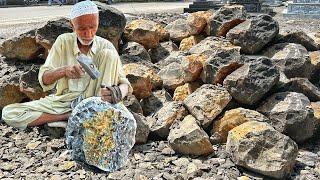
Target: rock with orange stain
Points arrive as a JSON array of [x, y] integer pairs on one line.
[[144, 32], [252, 35], [142, 79], [192, 67], [185, 90], [290, 114], [207, 102], [316, 112], [227, 17], [292, 59], [188, 138], [258, 147], [161, 121], [187, 43], [197, 21], [101, 134], [232, 119]]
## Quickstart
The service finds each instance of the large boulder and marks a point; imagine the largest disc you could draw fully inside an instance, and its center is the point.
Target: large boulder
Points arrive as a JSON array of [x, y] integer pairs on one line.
[[144, 32], [211, 45], [292, 59], [252, 81], [217, 67], [111, 24], [101, 134], [178, 30], [260, 148], [163, 50], [23, 47], [153, 103], [161, 121], [174, 57], [232, 119], [188, 138], [252, 35], [207, 102], [290, 114], [48, 33], [225, 19], [299, 37]]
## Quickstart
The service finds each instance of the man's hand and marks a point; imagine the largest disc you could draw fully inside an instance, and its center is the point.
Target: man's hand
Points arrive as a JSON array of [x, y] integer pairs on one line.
[[106, 95], [74, 71]]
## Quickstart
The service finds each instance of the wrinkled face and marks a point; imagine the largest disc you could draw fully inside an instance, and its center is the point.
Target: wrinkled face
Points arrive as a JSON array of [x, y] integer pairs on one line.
[[86, 27]]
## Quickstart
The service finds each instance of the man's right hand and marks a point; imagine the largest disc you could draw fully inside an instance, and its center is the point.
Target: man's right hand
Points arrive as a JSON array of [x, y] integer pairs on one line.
[[74, 71]]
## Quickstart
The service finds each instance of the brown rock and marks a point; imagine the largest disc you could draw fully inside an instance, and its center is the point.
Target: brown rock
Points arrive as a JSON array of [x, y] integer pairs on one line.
[[197, 22], [144, 32], [23, 47], [192, 67], [139, 78], [185, 90], [232, 119], [189, 138], [225, 19], [187, 43]]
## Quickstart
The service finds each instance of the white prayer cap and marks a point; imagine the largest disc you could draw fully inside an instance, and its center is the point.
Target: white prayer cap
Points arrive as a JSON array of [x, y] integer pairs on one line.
[[83, 8]]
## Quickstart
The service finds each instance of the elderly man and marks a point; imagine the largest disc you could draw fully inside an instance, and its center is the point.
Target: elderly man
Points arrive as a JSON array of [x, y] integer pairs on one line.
[[62, 72]]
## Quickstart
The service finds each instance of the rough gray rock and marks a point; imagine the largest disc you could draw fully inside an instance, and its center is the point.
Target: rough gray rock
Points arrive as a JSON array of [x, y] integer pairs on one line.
[[101, 134], [225, 19], [152, 104], [188, 138], [143, 130], [292, 59], [161, 121], [260, 148], [217, 67], [252, 35], [252, 81], [302, 85], [290, 113], [134, 52], [299, 37], [163, 50], [178, 30], [132, 103], [207, 102], [172, 76]]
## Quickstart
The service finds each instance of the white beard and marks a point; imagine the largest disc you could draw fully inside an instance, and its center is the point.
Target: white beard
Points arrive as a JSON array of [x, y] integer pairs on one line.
[[83, 43]]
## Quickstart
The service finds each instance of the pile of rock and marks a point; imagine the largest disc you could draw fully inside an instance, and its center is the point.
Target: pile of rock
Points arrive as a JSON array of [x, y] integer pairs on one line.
[[211, 78]]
